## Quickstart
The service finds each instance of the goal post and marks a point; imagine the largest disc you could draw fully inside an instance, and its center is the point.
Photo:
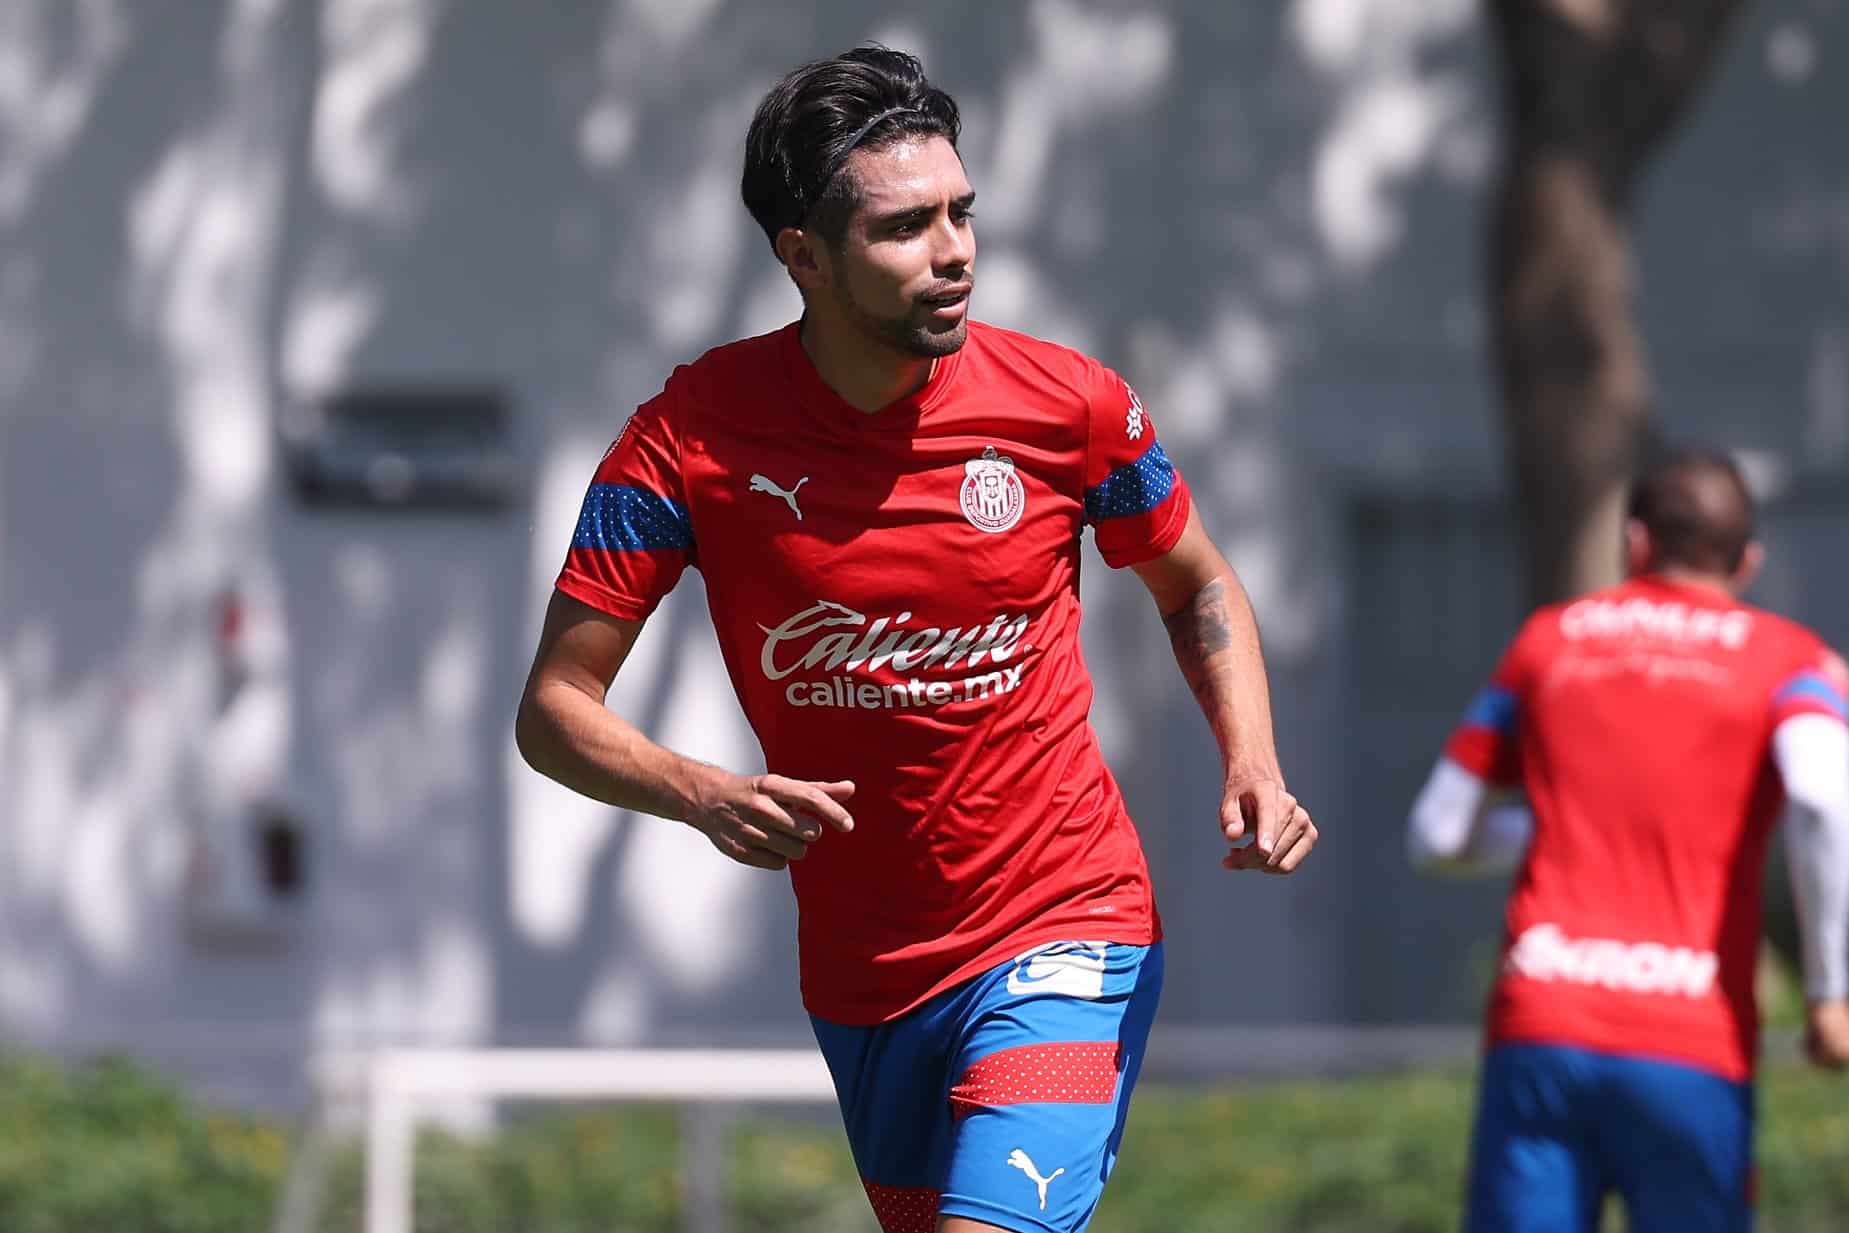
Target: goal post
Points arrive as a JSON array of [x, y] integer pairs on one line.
[[398, 1084]]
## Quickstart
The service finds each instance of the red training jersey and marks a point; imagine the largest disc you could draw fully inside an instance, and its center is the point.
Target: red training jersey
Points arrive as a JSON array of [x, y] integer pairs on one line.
[[1639, 721], [896, 598]]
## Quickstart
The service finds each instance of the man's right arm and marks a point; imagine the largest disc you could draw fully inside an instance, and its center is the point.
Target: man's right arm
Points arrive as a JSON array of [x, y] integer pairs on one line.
[[1471, 817], [565, 732], [1463, 825]]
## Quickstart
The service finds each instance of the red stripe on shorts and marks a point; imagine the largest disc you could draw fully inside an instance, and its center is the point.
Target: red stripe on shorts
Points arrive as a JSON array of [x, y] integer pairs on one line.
[[1073, 1073], [903, 1209]]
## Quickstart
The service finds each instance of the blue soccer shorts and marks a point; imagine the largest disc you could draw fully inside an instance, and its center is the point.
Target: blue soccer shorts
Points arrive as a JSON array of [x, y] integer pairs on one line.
[[1002, 1099], [1559, 1128]]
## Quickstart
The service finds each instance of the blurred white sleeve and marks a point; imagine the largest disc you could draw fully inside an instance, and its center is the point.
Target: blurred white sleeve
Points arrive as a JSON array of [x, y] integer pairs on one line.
[[1459, 824], [1812, 752]]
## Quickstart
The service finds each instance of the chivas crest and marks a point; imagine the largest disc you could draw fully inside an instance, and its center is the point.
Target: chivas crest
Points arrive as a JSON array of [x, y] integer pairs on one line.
[[992, 495]]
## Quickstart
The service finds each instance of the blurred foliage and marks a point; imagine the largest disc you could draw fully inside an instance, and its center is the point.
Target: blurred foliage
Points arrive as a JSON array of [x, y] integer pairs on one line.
[[108, 1147]]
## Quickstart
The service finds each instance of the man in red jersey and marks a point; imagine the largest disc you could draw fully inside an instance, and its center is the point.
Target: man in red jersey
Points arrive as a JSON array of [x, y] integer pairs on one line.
[[886, 500], [1654, 732]]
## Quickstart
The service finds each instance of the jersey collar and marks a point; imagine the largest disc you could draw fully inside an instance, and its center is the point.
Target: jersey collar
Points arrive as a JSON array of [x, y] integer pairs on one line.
[[900, 415]]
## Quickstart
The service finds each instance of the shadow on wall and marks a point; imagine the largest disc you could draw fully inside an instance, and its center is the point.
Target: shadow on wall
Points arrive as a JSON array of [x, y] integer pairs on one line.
[[1256, 213]]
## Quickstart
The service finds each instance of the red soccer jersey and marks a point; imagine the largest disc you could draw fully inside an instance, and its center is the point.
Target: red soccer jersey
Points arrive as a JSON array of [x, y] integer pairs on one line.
[[896, 599], [1639, 722]]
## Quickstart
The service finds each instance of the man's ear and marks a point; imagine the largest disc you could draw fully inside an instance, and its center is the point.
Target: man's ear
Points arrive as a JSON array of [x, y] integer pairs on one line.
[[1639, 548], [805, 256], [1751, 562]]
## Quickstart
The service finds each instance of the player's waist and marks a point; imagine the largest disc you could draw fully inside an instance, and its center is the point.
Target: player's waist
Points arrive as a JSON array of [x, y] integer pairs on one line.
[[1712, 1036], [853, 974]]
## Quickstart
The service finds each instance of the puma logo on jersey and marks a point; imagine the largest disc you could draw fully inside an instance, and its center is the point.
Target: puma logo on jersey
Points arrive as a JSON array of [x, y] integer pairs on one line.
[[1025, 1163], [762, 483]]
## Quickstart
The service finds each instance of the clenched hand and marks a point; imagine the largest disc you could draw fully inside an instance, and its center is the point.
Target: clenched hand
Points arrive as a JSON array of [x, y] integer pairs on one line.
[[1281, 831], [769, 820], [1826, 1034]]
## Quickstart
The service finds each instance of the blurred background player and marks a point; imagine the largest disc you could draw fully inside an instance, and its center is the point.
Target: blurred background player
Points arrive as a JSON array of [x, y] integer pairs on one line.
[[1652, 731], [886, 501]]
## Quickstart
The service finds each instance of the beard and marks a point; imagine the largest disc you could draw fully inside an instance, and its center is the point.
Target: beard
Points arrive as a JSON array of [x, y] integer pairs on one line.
[[913, 333]]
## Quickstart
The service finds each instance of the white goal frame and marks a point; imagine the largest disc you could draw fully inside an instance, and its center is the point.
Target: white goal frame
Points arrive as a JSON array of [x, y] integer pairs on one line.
[[399, 1083]]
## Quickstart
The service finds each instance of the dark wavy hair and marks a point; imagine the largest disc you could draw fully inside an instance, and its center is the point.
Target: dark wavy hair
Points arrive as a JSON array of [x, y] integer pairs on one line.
[[810, 122]]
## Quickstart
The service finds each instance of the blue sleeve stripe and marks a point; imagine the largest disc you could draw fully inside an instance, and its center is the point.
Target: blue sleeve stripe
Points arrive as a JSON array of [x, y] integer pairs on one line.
[[618, 518], [1134, 488], [1812, 687], [1494, 708]]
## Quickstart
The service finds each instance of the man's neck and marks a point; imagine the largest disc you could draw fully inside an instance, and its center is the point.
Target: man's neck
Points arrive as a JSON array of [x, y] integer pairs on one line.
[[1701, 579], [866, 376]]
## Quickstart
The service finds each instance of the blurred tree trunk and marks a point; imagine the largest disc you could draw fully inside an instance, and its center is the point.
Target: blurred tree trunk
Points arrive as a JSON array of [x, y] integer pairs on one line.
[[1591, 87]]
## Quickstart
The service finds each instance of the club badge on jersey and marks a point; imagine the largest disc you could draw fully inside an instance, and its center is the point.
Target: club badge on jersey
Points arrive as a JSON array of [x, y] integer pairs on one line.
[[992, 495]]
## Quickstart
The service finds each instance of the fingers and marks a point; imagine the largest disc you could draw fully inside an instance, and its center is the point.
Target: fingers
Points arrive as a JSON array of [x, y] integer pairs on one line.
[[1283, 832], [796, 809], [1259, 809], [821, 801], [774, 819], [759, 858], [1248, 857], [1295, 843], [1272, 814], [1233, 814], [786, 838], [748, 854], [1242, 858]]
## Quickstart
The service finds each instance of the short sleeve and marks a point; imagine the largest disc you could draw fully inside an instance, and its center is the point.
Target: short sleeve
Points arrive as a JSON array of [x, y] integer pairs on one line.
[[1486, 741], [634, 536], [1818, 686], [1136, 501]]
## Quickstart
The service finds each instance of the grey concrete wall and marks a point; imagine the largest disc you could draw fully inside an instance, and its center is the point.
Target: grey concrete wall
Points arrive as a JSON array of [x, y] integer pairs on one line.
[[1265, 215]]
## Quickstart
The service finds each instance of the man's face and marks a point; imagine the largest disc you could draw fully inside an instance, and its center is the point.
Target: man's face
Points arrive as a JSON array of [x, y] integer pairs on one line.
[[903, 271]]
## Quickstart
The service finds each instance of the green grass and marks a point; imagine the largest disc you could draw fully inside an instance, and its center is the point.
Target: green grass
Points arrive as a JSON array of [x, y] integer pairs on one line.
[[1386, 1155], [1374, 1155], [112, 1148]]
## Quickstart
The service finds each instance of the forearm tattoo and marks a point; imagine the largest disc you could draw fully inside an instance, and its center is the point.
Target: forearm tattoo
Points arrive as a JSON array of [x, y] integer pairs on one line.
[[1199, 630]]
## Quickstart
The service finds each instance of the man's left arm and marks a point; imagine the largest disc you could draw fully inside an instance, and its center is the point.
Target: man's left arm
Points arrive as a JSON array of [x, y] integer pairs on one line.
[[1215, 636], [1810, 745]]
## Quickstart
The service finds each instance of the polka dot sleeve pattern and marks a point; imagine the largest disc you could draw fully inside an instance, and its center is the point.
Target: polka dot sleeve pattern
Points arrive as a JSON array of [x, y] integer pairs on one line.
[[618, 518], [1134, 488], [634, 535], [1135, 499]]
